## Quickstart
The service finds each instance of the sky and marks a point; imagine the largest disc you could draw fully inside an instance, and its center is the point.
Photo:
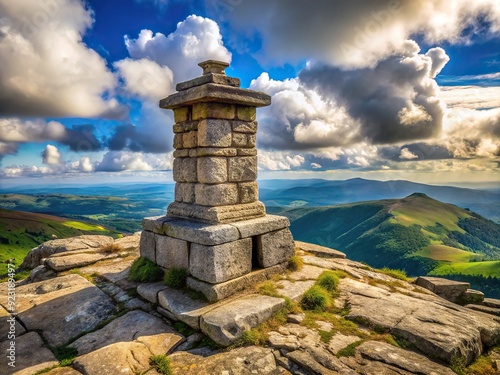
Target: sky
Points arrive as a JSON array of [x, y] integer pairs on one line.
[[379, 89]]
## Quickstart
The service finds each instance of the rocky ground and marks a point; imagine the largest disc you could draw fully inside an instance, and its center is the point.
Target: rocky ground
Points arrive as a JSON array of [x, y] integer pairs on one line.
[[79, 314]]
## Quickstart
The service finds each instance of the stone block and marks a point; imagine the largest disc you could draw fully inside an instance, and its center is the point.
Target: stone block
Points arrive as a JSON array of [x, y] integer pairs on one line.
[[155, 224], [183, 153], [213, 110], [266, 224], [217, 292], [201, 233], [219, 263], [212, 170], [214, 151], [184, 192], [190, 139], [178, 140], [185, 170], [242, 169], [149, 291], [172, 252], [184, 127], [319, 251], [246, 113], [227, 323], [148, 245], [216, 195], [248, 192], [251, 140], [472, 296], [247, 152], [182, 114], [219, 79], [244, 127], [275, 247], [214, 133], [450, 290], [239, 140], [218, 214]]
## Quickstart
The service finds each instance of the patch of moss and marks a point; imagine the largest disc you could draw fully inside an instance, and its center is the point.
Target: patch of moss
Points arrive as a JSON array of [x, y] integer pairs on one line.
[[176, 278], [482, 366], [268, 288], [183, 328], [161, 364], [349, 350], [65, 355], [145, 271], [295, 263], [316, 298]]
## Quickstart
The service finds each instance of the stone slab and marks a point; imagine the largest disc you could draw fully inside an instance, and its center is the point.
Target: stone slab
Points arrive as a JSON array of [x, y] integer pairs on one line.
[[118, 358], [172, 252], [214, 92], [219, 79], [261, 225], [201, 233], [294, 290], [217, 292], [133, 326], [183, 307], [149, 291], [319, 251], [155, 223], [219, 263], [62, 307], [340, 341], [448, 289], [148, 242], [31, 355], [227, 323], [70, 261], [216, 215], [307, 272], [275, 247], [485, 309], [491, 302], [114, 270]]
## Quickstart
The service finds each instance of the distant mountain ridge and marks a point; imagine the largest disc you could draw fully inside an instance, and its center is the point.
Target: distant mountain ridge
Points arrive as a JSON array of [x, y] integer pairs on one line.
[[416, 233]]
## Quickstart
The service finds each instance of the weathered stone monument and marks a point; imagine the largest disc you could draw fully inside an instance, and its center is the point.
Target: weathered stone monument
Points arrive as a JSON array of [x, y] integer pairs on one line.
[[217, 229]]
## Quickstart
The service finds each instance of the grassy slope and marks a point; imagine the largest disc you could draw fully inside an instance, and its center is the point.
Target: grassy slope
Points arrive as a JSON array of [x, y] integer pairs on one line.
[[22, 231], [416, 233]]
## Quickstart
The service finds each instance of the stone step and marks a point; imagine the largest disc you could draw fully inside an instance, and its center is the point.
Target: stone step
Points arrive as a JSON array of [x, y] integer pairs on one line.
[[491, 302], [319, 251], [70, 261], [485, 309]]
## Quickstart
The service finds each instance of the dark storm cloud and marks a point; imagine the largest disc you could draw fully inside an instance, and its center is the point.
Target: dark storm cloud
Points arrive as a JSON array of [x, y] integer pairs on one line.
[[396, 101], [137, 139], [420, 150]]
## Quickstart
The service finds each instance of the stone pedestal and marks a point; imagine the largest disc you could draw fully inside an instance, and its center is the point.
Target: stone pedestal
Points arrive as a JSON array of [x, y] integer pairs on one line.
[[217, 228]]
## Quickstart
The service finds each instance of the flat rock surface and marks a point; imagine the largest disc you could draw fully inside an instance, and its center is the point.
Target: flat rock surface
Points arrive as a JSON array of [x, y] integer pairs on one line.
[[133, 326], [48, 248], [340, 341], [114, 270], [441, 330], [150, 291], [119, 358], [70, 261], [5, 325], [227, 323], [294, 290], [31, 355], [243, 361], [307, 272], [62, 307], [400, 358], [129, 243], [319, 251]]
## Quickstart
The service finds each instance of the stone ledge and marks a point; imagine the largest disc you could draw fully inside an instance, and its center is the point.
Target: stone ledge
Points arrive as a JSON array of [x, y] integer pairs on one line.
[[220, 79], [261, 225], [217, 215], [213, 92], [217, 292]]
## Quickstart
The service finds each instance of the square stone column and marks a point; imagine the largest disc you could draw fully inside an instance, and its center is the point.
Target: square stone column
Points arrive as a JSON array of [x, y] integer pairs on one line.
[[224, 231]]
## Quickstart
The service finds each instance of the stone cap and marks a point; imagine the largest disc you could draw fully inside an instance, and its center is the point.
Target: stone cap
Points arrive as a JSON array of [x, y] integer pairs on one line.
[[214, 86]]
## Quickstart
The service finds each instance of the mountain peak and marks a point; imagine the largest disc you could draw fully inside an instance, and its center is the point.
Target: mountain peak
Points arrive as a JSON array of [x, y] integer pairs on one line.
[[418, 195]]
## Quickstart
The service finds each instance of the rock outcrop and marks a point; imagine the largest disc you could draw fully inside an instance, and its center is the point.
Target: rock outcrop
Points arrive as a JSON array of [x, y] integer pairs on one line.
[[102, 323]]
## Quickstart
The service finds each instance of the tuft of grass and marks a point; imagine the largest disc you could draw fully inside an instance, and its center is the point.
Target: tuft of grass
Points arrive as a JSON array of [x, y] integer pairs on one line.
[[316, 298], [326, 336], [161, 364], [397, 274], [268, 288], [349, 350], [111, 249], [65, 355], [295, 263], [145, 271], [458, 365], [328, 280], [482, 366], [176, 278]]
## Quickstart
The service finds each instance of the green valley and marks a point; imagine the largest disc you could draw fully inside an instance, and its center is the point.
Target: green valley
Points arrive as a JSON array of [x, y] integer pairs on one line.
[[22, 231]]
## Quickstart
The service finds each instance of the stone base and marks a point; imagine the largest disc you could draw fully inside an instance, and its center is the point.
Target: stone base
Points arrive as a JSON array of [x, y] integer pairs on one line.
[[215, 255], [219, 214]]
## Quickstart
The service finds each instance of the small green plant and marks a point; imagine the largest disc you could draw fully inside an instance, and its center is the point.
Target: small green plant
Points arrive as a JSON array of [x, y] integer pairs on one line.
[[161, 364], [326, 336], [145, 271], [457, 364], [397, 274], [349, 350], [65, 355], [316, 298], [328, 280], [176, 277], [482, 366], [295, 263], [268, 288], [183, 328]]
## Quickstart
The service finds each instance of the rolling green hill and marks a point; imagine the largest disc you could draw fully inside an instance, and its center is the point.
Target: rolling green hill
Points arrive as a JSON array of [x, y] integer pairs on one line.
[[22, 231], [416, 233]]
